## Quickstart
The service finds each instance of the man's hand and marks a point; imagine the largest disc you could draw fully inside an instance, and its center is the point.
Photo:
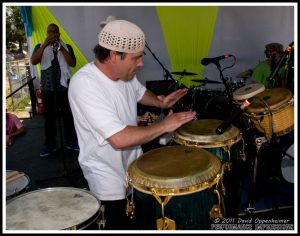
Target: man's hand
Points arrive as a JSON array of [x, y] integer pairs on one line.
[[172, 98]]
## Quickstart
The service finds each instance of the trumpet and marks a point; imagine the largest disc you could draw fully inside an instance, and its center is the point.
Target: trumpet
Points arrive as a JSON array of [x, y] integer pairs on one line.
[[55, 45]]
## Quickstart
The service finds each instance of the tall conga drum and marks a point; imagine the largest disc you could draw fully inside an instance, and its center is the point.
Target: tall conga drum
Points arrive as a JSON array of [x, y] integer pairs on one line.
[[176, 187], [227, 146]]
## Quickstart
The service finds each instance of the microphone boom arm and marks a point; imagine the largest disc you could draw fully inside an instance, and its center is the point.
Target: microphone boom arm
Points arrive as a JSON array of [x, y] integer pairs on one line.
[[167, 73], [280, 63]]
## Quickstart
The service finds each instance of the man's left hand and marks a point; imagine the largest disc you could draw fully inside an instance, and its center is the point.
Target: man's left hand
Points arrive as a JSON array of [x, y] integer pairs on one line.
[[172, 98]]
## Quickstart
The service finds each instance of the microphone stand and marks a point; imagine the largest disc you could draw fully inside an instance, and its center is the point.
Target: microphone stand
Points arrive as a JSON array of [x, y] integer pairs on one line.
[[66, 173], [228, 91], [280, 63], [167, 74]]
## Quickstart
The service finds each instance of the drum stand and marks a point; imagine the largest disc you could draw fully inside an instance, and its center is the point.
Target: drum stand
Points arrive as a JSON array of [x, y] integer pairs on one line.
[[258, 142], [270, 181], [101, 223]]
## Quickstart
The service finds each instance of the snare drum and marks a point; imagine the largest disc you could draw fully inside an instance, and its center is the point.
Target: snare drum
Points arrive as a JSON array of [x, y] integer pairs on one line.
[[272, 112], [247, 92], [187, 180], [16, 183], [52, 209], [202, 134]]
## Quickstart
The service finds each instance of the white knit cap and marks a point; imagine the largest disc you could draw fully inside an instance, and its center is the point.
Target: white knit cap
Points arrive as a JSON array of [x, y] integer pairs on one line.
[[122, 36]]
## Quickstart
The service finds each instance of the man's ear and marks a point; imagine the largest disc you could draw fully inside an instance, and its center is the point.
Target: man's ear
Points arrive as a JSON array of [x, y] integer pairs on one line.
[[113, 55]]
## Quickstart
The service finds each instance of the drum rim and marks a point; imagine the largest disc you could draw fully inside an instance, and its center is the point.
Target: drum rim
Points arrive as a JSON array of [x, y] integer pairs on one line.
[[288, 101], [226, 143], [236, 136], [175, 192], [240, 97], [142, 181], [22, 189], [81, 225]]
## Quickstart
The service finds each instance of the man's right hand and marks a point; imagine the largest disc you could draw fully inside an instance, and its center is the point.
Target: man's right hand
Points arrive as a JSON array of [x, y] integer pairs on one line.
[[50, 39], [174, 120]]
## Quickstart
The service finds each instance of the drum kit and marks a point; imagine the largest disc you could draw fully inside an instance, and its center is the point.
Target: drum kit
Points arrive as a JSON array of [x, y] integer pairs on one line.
[[197, 179]]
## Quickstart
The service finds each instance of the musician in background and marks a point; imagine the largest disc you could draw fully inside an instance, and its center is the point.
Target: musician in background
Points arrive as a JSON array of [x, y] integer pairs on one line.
[[264, 69], [55, 58]]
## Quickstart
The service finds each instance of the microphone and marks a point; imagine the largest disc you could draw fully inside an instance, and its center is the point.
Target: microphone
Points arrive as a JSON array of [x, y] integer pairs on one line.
[[222, 127], [206, 61]]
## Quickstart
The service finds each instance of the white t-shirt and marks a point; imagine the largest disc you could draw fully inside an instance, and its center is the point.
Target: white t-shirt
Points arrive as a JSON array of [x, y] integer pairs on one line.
[[102, 107]]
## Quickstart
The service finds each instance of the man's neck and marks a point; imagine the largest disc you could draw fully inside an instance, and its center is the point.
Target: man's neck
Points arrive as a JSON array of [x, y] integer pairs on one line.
[[105, 69]]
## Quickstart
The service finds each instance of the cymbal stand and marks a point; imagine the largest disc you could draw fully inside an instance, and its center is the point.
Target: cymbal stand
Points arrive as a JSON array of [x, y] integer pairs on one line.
[[167, 74]]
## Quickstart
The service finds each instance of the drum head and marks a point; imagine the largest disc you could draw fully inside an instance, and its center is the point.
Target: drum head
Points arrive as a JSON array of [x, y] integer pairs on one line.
[[202, 133], [248, 91], [51, 209], [287, 165], [17, 185], [275, 98], [174, 170]]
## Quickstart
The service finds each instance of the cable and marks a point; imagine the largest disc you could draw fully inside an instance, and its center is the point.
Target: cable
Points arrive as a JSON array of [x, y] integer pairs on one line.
[[271, 115]]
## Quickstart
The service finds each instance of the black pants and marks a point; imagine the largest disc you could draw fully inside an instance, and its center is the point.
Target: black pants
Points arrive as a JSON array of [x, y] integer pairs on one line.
[[57, 109], [115, 216]]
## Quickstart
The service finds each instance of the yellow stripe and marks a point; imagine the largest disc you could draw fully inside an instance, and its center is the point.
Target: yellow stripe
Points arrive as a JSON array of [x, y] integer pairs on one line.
[[188, 32], [41, 18]]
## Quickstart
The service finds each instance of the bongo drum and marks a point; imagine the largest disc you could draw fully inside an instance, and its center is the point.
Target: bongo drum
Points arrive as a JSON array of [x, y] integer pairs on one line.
[[247, 92], [202, 134], [272, 112], [16, 183], [52, 209], [187, 180]]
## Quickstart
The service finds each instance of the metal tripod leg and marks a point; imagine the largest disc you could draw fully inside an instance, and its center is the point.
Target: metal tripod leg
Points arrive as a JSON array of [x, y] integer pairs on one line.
[[258, 142]]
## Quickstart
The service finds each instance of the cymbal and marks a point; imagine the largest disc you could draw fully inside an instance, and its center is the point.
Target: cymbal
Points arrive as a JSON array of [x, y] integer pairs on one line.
[[245, 74], [206, 81], [183, 73]]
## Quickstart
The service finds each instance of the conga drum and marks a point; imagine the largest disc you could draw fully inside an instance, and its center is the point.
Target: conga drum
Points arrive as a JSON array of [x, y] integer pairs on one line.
[[176, 187], [202, 134], [229, 149], [60, 208], [272, 112], [246, 92]]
